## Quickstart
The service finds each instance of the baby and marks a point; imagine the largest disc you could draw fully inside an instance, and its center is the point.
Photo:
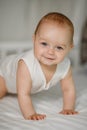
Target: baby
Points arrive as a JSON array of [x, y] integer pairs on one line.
[[42, 67]]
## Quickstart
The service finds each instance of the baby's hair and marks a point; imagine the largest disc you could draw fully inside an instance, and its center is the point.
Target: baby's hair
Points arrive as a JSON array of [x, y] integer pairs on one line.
[[57, 18]]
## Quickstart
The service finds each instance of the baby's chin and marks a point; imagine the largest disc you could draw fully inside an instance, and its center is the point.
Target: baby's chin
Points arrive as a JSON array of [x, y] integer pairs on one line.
[[48, 63]]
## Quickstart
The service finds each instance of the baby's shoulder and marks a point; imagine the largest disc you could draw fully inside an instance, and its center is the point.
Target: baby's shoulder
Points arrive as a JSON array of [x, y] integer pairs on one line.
[[64, 63], [63, 67]]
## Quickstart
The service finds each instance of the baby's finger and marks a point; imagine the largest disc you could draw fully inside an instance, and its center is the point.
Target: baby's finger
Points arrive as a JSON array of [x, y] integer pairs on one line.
[[36, 117], [68, 112]]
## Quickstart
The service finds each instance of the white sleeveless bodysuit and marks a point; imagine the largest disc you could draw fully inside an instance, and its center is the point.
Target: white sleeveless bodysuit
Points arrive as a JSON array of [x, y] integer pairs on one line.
[[8, 68]]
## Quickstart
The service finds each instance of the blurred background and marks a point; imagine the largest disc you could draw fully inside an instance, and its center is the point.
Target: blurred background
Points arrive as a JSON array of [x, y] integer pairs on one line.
[[18, 19]]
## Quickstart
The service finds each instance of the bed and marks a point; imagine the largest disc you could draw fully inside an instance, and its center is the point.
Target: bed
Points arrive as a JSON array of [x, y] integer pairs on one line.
[[48, 102]]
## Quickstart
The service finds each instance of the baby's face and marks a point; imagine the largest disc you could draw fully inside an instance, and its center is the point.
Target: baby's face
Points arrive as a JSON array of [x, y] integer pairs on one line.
[[52, 43]]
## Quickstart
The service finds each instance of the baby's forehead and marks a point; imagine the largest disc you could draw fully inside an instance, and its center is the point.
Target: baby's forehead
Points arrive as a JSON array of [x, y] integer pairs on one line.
[[51, 25], [54, 30]]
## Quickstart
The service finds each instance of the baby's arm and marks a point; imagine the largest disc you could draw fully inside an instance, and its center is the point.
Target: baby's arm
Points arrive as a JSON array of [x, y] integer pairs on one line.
[[69, 94], [24, 84]]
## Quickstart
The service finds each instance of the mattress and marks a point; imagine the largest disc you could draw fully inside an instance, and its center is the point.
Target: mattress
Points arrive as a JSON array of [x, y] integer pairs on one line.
[[50, 103]]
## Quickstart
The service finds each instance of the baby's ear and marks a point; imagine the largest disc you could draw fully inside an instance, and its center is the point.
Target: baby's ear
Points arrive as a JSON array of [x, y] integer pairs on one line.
[[72, 45], [33, 38]]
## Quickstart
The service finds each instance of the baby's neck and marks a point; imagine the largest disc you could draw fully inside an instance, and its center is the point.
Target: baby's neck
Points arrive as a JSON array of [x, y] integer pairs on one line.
[[48, 67]]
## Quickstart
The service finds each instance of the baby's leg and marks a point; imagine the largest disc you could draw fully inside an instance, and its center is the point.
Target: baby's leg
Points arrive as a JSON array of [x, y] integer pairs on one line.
[[3, 89]]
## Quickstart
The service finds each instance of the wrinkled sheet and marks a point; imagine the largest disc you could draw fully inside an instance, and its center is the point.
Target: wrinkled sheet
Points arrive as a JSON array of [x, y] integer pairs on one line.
[[50, 103]]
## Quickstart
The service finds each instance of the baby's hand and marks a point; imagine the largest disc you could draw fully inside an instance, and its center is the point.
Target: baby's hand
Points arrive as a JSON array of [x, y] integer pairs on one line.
[[68, 112], [37, 117]]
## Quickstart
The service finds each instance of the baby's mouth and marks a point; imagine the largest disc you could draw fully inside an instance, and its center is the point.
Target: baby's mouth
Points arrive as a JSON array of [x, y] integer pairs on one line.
[[50, 58]]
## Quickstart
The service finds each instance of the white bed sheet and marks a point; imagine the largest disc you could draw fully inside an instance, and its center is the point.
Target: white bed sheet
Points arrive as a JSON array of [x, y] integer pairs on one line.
[[50, 103]]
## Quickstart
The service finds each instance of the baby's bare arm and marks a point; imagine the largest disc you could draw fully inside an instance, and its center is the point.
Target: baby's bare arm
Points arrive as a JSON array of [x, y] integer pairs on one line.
[[69, 94], [24, 85], [28, 109]]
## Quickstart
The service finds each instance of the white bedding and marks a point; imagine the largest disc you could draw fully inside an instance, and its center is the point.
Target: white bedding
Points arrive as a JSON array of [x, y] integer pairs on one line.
[[50, 103]]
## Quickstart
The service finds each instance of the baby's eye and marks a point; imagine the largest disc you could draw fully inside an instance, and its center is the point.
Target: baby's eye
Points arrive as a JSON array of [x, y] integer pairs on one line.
[[59, 48], [44, 43]]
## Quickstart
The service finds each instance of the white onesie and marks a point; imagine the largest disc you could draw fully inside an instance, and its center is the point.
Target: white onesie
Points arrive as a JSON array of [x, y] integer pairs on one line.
[[8, 68]]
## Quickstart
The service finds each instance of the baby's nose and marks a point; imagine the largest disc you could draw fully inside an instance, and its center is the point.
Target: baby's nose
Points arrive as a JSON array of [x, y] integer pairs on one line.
[[51, 50]]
